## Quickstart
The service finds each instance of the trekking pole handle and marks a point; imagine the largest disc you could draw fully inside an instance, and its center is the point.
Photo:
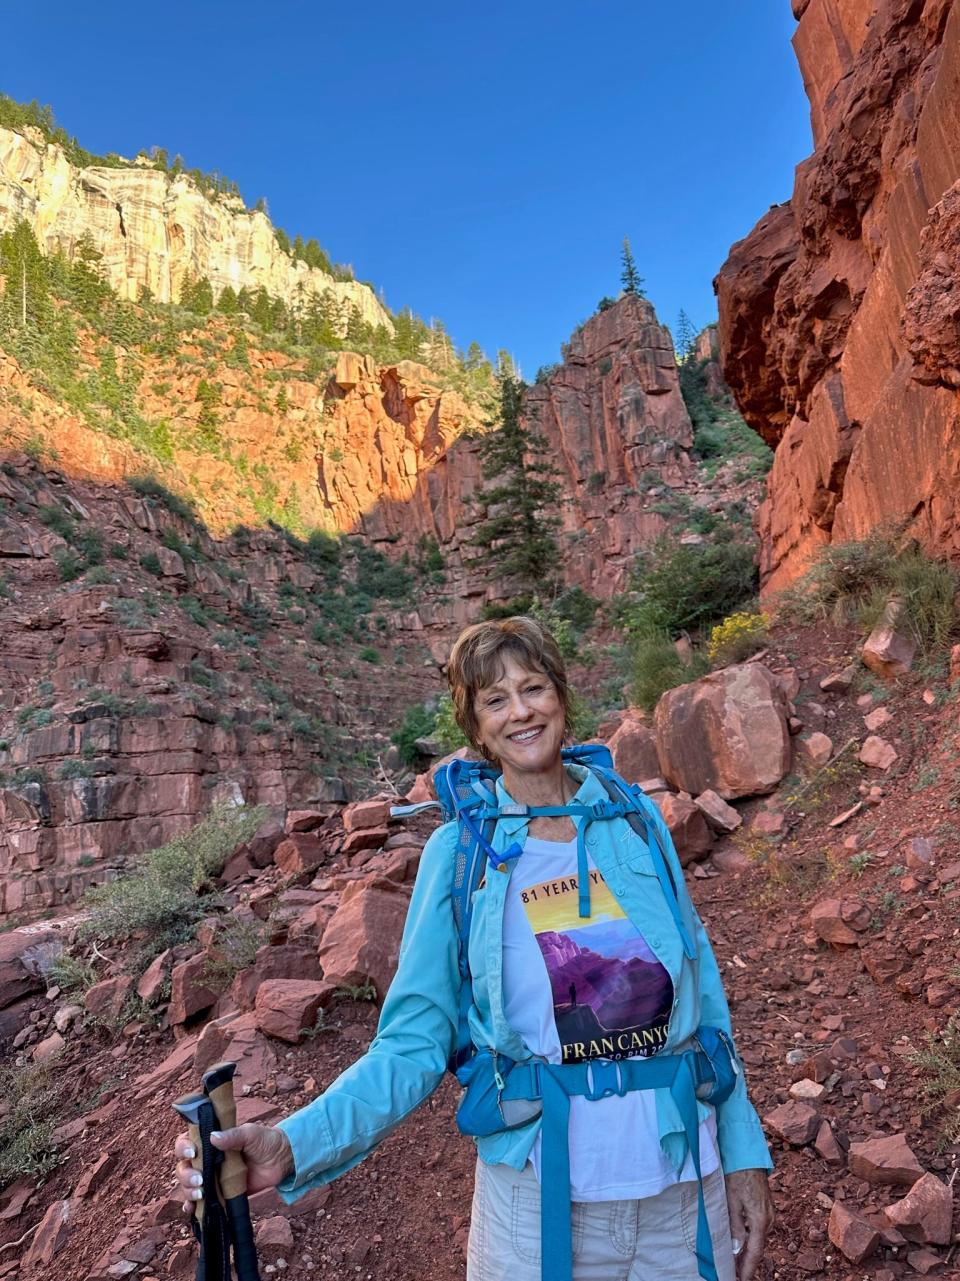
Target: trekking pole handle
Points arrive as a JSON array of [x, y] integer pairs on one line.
[[188, 1107], [217, 1084]]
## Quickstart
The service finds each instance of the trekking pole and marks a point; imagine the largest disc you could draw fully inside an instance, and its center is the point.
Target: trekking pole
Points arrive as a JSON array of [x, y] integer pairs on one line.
[[217, 1085], [210, 1225]]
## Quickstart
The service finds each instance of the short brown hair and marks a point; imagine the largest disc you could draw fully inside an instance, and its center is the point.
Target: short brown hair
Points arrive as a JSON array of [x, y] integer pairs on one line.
[[476, 661]]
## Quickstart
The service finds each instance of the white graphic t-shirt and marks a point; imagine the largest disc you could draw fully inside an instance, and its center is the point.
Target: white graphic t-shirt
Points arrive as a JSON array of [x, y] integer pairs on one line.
[[577, 989]]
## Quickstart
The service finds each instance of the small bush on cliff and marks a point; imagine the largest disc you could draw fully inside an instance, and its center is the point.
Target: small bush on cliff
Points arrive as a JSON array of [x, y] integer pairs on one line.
[[33, 1107], [656, 666], [418, 722], [940, 1063], [685, 588], [71, 974], [737, 637], [155, 492], [171, 889], [852, 581]]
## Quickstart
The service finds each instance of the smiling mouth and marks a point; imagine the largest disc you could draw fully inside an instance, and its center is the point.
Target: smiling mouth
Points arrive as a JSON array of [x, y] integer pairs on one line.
[[526, 735]]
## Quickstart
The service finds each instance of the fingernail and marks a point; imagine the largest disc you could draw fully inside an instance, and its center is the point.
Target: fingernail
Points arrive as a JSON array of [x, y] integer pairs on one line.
[[189, 1153], [737, 1245], [216, 1134], [196, 1180], [187, 1207], [196, 1195]]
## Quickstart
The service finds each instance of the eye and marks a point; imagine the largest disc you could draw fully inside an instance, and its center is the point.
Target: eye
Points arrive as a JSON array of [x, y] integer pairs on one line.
[[494, 701]]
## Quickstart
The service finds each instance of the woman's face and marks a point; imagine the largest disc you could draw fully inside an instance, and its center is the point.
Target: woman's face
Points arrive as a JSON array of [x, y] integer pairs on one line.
[[520, 719]]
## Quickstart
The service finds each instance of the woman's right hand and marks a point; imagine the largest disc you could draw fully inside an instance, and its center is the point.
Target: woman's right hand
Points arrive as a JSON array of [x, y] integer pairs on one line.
[[266, 1151]]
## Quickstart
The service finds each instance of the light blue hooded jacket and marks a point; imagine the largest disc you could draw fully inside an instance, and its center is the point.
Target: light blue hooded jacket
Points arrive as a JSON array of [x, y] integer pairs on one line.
[[418, 1024]]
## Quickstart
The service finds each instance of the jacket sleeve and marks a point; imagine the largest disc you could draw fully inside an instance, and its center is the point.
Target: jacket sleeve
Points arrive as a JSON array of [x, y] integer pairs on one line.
[[415, 1037], [740, 1136]]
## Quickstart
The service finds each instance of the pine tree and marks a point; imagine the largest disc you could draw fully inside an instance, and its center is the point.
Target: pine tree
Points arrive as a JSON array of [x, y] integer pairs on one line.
[[630, 278], [686, 338], [24, 270], [517, 537]]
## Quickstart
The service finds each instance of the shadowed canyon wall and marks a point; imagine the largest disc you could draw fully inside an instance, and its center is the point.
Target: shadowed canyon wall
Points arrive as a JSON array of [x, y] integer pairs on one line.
[[394, 468], [840, 312]]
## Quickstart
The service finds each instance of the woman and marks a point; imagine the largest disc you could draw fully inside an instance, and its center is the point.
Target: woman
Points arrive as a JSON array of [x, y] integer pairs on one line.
[[574, 978]]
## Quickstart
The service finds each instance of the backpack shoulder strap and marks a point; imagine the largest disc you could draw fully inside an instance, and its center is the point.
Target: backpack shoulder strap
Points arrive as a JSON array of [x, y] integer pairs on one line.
[[641, 820]]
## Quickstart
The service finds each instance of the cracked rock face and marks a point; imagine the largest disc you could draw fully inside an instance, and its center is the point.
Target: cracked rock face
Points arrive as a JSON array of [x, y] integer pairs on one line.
[[839, 320]]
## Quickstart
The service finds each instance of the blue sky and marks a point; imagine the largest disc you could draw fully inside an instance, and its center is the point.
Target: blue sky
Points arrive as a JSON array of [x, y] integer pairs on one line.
[[481, 163]]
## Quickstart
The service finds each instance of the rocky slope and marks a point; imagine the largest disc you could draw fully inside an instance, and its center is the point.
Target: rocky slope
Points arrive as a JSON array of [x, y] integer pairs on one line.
[[836, 943], [838, 313], [156, 229]]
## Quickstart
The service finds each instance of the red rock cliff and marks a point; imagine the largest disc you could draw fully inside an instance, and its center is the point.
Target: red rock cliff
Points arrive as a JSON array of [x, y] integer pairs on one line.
[[395, 466], [839, 319]]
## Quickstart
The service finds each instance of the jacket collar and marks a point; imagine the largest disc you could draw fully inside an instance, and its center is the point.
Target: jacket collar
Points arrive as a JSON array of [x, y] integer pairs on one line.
[[590, 790]]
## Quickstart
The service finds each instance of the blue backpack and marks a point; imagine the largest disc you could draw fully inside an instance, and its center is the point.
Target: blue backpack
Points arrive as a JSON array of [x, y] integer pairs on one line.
[[466, 791]]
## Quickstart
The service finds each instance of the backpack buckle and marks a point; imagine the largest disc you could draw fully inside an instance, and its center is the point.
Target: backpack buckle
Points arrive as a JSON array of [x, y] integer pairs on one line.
[[513, 810], [606, 1080]]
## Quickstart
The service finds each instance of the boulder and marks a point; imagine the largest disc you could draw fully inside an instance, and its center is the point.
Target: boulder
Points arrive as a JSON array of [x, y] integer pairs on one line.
[[23, 960], [826, 1146], [688, 827], [796, 1123], [364, 814], [150, 985], [286, 1008], [299, 852], [238, 1040], [877, 753], [876, 719], [888, 1161], [282, 961], [726, 732], [50, 1237], [274, 1237], [195, 985], [361, 943], [50, 1048], [854, 1237], [363, 838], [817, 748], [721, 816], [891, 647], [105, 1001], [925, 1214], [827, 919], [920, 853], [634, 750]]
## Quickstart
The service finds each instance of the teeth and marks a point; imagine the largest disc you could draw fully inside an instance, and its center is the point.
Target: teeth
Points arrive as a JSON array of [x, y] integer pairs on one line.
[[525, 736]]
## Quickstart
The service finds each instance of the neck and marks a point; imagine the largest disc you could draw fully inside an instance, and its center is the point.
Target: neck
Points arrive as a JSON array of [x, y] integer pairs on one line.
[[552, 786]]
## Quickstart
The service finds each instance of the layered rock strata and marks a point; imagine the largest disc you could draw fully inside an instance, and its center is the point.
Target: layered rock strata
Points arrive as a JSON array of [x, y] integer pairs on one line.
[[396, 467], [840, 332], [155, 229]]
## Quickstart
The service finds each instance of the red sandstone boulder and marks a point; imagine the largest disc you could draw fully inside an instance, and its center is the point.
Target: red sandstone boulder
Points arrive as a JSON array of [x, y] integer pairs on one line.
[[50, 1238], [721, 816], [688, 827], [287, 1008], [854, 1237], [106, 1000], [795, 1123], [827, 919], [196, 984], [300, 852], [634, 749], [364, 814], [361, 943], [877, 753], [364, 838], [151, 982], [23, 960], [889, 1161], [237, 1039], [726, 733], [891, 647], [282, 961], [925, 1214]]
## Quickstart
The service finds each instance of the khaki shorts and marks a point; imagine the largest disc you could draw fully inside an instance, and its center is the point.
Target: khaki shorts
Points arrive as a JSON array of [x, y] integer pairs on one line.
[[653, 1239]]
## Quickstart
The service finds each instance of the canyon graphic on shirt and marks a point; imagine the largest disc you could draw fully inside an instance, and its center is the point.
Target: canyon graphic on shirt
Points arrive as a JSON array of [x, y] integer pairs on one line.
[[611, 996]]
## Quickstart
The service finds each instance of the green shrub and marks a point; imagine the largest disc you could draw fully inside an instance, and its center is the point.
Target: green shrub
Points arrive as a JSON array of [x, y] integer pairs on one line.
[[74, 769], [418, 722], [379, 577], [170, 890], [99, 576], [70, 974], [369, 655], [684, 588], [55, 518], [737, 637], [151, 488], [69, 565], [33, 1106], [655, 667], [151, 563], [852, 582], [940, 1064], [446, 729]]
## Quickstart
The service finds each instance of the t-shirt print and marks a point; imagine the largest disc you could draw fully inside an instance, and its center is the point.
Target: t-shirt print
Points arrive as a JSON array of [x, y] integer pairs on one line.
[[611, 996]]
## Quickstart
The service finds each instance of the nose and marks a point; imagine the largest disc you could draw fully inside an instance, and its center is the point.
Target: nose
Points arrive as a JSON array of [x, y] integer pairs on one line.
[[520, 709]]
